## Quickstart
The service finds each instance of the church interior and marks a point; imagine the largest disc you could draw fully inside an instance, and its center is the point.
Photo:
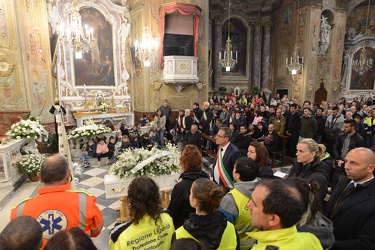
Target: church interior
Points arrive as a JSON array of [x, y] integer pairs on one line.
[[44, 59], [133, 54]]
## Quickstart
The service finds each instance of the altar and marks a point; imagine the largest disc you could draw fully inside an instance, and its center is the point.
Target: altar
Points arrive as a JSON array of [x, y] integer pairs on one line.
[[99, 117], [9, 155]]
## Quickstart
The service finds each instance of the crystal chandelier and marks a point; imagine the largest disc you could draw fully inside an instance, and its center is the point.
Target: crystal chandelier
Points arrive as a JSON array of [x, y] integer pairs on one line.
[[228, 61], [363, 64], [295, 63], [147, 49], [75, 36]]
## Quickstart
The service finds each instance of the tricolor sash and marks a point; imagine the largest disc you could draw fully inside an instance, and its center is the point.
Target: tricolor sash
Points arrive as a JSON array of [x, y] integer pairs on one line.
[[204, 115], [196, 119], [224, 176], [179, 121], [183, 122]]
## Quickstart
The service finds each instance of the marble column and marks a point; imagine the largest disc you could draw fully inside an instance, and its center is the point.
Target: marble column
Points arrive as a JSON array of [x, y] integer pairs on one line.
[[216, 49], [266, 56], [256, 60]]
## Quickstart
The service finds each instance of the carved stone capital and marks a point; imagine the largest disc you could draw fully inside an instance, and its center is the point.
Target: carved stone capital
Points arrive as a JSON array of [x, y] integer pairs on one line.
[[267, 24]]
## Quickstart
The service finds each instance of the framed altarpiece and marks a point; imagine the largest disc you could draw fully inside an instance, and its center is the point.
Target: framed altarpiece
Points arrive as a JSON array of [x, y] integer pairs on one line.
[[101, 72]]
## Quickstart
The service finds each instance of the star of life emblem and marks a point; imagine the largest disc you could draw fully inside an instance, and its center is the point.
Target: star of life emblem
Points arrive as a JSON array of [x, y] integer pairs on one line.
[[52, 221]]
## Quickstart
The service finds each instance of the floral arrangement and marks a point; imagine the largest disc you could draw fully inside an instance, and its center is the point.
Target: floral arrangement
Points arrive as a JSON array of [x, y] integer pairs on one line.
[[104, 107], [167, 162], [30, 164], [89, 131], [29, 128]]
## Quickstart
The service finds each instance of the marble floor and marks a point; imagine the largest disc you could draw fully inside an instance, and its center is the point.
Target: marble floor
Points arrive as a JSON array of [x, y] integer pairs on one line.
[[92, 180]]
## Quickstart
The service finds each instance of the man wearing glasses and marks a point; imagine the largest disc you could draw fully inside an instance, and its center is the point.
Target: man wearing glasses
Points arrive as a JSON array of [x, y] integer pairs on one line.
[[227, 155]]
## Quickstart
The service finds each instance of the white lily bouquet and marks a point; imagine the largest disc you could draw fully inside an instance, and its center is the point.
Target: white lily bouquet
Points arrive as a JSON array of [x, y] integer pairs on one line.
[[29, 128], [104, 107], [89, 131], [30, 164], [141, 161]]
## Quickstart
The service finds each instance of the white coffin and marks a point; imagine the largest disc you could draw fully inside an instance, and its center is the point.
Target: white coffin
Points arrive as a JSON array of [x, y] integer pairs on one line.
[[115, 187]]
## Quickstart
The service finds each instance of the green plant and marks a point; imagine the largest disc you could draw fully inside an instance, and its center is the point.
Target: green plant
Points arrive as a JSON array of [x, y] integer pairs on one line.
[[53, 143], [255, 90], [30, 164], [222, 89]]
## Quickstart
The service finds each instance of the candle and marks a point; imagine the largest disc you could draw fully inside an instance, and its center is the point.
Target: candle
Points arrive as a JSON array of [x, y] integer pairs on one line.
[[113, 92], [84, 88]]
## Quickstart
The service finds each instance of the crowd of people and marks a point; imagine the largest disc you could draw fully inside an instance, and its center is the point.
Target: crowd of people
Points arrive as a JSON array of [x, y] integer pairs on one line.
[[326, 201]]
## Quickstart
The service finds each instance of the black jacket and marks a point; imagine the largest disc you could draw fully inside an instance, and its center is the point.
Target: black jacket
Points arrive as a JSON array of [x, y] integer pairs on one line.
[[242, 142], [353, 216], [321, 122], [355, 141], [313, 171], [208, 229], [180, 206], [293, 123]]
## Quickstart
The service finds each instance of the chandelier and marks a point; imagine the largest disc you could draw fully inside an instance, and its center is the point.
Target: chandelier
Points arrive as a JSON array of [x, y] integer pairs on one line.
[[75, 36], [295, 63], [363, 64], [147, 49], [228, 61]]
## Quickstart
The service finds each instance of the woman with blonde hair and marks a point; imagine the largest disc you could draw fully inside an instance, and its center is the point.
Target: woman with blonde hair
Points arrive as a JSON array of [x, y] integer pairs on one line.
[[327, 161], [190, 164], [208, 225], [308, 166]]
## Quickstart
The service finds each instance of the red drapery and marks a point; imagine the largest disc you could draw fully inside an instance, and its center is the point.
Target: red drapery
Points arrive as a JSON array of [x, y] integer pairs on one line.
[[183, 9]]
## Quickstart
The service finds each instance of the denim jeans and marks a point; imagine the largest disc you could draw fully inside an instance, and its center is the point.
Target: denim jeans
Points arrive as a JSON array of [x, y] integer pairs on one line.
[[160, 136]]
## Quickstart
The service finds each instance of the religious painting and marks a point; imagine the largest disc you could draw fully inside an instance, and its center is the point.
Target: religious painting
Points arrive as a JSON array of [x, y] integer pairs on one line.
[[96, 68], [287, 14], [366, 80]]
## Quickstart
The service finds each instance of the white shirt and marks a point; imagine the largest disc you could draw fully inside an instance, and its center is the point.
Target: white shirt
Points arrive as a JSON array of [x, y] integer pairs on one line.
[[216, 171]]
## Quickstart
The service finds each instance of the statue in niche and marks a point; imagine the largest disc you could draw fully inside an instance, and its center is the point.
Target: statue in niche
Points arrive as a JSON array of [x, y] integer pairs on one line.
[[325, 31]]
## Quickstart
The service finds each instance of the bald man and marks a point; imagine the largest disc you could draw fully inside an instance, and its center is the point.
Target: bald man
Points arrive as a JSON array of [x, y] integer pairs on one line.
[[352, 204]]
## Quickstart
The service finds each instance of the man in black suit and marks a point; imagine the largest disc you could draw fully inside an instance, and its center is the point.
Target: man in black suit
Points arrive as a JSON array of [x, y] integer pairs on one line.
[[226, 158], [352, 204], [193, 137], [271, 139]]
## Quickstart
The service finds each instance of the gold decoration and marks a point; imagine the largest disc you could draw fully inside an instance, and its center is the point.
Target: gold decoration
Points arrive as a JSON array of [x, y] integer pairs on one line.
[[6, 67]]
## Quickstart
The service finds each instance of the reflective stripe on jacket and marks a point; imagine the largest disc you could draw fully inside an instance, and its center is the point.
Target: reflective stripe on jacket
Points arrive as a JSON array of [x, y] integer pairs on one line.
[[57, 208]]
